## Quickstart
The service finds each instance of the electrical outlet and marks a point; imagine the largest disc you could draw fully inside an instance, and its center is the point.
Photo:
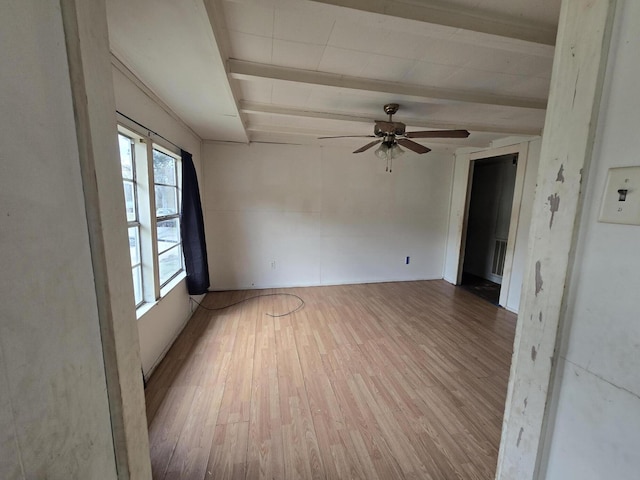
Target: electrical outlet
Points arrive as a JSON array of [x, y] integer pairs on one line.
[[273, 265], [406, 262]]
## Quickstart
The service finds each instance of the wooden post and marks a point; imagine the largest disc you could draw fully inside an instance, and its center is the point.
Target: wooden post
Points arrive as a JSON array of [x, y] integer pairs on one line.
[[87, 43], [576, 85]]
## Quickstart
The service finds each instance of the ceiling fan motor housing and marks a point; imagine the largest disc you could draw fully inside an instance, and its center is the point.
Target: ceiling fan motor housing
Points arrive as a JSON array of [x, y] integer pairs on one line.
[[383, 128]]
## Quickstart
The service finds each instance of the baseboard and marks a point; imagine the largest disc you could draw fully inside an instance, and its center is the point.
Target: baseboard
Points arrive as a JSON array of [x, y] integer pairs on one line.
[[303, 285]]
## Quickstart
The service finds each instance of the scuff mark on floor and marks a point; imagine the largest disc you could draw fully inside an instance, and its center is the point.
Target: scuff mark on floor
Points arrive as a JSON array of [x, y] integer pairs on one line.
[[560, 177]]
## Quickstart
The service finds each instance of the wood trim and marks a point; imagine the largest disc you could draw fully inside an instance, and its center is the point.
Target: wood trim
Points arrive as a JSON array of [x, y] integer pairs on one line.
[[576, 87], [241, 69], [87, 45], [270, 109], [514, 223]]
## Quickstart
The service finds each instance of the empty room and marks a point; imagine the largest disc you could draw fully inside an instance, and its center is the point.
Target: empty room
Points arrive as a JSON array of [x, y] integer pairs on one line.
[[291, 239]]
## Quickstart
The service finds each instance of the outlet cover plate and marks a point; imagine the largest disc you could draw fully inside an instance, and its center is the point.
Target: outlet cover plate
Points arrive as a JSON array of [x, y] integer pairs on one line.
[[614, 209]]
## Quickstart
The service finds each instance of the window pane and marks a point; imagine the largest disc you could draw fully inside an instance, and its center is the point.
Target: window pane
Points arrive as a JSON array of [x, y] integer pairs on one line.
[[170, 263], [126, 158], [137, 284], [134, 245], [164, 168], [130, 201], [168, 234], [166, 201]]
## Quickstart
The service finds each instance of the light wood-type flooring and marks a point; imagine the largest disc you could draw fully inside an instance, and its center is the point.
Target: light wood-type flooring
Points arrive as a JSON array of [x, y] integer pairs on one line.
[[376, 381]]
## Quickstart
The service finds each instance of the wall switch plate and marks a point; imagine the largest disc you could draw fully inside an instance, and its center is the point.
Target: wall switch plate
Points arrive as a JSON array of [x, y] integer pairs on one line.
[[621, 199]]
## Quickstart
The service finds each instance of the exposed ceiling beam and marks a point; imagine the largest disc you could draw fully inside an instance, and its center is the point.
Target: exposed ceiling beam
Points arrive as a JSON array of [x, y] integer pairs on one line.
[[269, 109], [241, 70], [474, 20], [221, 42], [314, 134]]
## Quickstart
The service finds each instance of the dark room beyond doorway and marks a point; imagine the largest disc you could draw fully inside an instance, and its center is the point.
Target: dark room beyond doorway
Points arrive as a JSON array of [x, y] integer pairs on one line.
[[488, 221]]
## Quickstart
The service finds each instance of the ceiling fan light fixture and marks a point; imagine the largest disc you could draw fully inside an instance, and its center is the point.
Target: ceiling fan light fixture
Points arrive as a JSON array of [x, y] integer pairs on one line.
[[382, 151], [396, 151], [388, 150]]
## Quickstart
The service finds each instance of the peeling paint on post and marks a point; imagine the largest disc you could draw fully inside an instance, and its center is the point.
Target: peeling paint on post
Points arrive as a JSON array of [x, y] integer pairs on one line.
[[554, 206], [539, 281], [578, 71]]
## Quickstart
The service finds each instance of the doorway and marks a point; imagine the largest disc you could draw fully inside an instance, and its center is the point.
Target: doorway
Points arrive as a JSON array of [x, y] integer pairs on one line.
[[493, 183]]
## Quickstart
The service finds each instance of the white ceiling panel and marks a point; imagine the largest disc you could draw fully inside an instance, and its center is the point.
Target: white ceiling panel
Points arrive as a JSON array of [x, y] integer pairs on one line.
[[532, 65], [252, 18], [480, 81], [259, 92], [357, 36], [537, 87], [424, 73], [161, 50], [392, 69], [343, 61], [252, 48], [297, 66], [299, 25], [296, 54], [285, 93]]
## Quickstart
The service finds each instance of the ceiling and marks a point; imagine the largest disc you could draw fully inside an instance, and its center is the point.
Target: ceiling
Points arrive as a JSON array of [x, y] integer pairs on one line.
[[292, 70]]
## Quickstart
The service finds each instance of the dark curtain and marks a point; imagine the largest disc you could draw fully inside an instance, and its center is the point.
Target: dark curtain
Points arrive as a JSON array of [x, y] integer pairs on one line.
[[192, 229]]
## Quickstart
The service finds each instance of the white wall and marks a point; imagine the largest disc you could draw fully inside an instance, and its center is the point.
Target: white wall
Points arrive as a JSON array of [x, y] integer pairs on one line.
[[160, 325], [595, 429], [54, 414], [323, 215], [458, 203]]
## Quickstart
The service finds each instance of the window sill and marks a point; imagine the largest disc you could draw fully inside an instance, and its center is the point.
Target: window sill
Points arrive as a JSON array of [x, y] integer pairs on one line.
[[164, 291], [172, 284]]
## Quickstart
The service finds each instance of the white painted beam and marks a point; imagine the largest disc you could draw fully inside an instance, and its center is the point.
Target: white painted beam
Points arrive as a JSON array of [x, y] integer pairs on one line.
[[87, 44], [243, 70], [270, 109], [437, 13], [576, 86], [314, 134]]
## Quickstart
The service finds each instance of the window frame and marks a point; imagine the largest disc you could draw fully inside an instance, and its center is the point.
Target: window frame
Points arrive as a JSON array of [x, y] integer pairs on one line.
[[135, 223], [144, 191], [173, 216]]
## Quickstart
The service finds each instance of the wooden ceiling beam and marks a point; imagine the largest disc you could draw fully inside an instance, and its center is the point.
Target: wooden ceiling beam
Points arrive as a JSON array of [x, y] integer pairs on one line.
[[270, 109], [437, 13], [243, 70]]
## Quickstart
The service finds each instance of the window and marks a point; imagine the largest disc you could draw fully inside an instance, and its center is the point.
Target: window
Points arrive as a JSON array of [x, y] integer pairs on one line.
[[127, 161], [151, 183], [165, 177]]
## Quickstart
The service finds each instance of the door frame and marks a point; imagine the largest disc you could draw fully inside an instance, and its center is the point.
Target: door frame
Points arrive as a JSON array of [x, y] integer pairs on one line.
[[458, 230]]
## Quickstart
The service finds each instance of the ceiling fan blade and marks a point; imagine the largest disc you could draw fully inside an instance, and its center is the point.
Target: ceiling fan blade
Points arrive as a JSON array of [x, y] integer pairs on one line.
[[348, 136], [438, 134], [368, 146], [411, 145]]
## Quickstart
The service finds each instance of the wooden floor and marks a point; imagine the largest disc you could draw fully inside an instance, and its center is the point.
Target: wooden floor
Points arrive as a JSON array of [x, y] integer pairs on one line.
[[377, 381]]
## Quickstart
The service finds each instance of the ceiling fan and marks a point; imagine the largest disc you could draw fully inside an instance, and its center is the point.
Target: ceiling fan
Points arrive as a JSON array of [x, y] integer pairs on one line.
[[388, 132]]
